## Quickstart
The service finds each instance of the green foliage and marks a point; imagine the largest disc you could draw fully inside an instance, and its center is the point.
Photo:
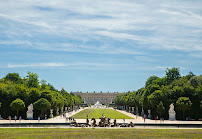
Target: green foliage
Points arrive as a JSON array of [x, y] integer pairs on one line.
[[172, 74], [42, 104], [14, 77], [166, 89], [34, 95], [183, 103], [44, 85], [150, 80], [29, 90], [196, 81], [17, 105], [155, 98], [32, 80]]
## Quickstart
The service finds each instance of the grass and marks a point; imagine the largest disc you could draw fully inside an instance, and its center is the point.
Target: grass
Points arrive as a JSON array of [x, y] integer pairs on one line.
[[24, 133], [96, 113]]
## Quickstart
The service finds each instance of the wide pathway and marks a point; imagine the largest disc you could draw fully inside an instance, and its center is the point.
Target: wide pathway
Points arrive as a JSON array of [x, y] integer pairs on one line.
[[136, 119]]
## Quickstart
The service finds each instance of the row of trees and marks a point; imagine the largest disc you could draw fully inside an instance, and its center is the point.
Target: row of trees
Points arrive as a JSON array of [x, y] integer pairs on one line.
[[157, 95], [17, 93]]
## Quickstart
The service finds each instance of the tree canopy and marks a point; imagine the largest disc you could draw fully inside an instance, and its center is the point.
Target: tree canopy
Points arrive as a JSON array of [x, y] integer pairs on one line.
[[17, 105], [29, 89], [159, 92], [183, 103]]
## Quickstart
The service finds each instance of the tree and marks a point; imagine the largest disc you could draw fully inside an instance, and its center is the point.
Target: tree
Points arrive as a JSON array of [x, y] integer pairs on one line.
[[196, 81], [17, 105], [43, 84], [34, 95], [32, 80], [160, 108], [14, 77], [150, 80], [183, 103], [42, 104], [190, 75], [172, 74]]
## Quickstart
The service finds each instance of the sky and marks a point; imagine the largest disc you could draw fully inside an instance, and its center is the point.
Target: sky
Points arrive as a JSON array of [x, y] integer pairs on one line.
[[100, 45]]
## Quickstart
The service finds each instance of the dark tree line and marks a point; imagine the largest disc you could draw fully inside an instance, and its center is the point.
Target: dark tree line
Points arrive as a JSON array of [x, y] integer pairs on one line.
[[17, 93], [157, 95]]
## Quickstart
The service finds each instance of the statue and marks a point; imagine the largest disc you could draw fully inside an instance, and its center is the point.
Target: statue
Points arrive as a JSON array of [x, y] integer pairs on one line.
[[74, 123], [102, 122], [130, 124], [149, 112], [94, 122], [51, 113], [142, 113], [87, 122], [30, 112], [172, 113], [108, 122], [115, 124], [133, 110]]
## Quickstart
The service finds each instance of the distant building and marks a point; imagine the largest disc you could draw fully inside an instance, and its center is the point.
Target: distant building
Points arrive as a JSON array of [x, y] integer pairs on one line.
[[92, 98]]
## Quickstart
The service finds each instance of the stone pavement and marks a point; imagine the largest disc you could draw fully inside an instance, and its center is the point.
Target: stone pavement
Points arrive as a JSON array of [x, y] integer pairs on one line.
[[137, 119]]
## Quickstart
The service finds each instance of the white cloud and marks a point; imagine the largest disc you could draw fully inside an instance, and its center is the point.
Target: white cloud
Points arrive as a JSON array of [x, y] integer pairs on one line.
[[169, 67], [36, 65], [153, 25]]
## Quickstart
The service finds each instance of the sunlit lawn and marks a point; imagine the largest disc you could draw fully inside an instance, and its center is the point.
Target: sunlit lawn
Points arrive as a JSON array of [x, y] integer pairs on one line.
[[96, 113], [98, 133]]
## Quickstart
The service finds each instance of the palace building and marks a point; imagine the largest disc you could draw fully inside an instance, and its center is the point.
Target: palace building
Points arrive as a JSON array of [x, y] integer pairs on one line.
[[92, 98]]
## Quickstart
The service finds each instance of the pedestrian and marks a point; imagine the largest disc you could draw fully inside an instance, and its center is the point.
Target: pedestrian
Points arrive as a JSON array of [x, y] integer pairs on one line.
[[124, 120], [66, 119], [20, 119], [9, 117], [39, 119], [144, 118], [155, 119], [15, 118]]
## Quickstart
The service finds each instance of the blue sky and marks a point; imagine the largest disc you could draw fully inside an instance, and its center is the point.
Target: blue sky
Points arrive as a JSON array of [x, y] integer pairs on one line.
[[100, 45]]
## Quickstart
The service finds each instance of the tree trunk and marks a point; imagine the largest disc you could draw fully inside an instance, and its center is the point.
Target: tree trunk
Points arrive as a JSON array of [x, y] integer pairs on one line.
[[17, 113]]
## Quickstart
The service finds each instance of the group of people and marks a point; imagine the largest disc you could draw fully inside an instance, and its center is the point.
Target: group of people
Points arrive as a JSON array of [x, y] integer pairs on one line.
[[68, 118], [15, 118], [102, 123]]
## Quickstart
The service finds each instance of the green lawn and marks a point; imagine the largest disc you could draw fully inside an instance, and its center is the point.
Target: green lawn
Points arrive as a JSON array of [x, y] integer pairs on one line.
[[96, 113], [25, 133]]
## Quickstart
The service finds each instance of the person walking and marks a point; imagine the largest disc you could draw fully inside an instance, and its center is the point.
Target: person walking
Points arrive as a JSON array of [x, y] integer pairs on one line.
[[20, 118], [9, 117], [15, 118], [39, 119]]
